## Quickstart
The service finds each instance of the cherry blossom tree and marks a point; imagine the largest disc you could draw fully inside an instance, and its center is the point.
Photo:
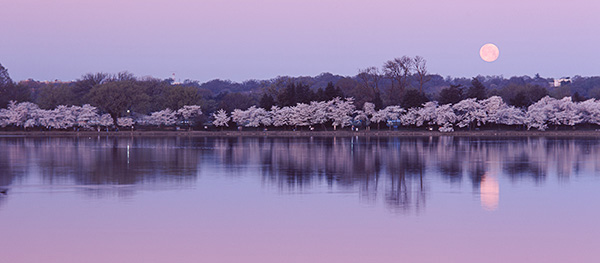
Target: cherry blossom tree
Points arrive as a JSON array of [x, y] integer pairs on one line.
[[360, 115], [318, 112], [432, 114], [510, 115], [469, 111], [252, 117], [64, 117], [221, 119], [125, 122], [340, 111], [34, 118], [566, 113], [491, 106], [257, 116], [46, 118], [369, 108], [164, 117], [86, 114], [105, 120], [427, 114], [18, 114], [379, 116], [30, 123], [445, 118], [239, 116], [589, 110], [386, 114], [264, 117], [281, 116], [409, 117], [301, 115], [187, 112], [497, 111], [369, 111], [539, 113]]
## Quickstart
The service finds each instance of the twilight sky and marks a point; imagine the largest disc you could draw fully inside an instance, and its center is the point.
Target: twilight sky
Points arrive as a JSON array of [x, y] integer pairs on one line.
[[261, 39]]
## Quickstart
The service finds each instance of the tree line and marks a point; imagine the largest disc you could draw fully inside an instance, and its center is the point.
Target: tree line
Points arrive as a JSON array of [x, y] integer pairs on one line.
[[466, 114], [403, 82]]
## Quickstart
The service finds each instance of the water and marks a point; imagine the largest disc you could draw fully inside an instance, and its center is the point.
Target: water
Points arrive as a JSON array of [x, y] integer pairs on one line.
[[299, 199]]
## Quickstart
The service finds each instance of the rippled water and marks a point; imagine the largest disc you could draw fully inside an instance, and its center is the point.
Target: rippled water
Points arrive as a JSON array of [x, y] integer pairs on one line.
[[432, 199]]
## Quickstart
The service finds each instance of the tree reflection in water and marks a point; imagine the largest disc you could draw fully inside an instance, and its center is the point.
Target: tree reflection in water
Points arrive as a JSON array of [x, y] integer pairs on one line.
[[398, 171], [99, 166]]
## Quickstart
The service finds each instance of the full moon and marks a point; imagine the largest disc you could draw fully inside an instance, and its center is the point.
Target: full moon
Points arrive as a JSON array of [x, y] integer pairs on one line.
[[489, 52]]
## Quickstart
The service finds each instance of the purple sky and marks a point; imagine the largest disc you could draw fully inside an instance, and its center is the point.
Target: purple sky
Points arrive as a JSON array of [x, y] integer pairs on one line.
[[243, 39]]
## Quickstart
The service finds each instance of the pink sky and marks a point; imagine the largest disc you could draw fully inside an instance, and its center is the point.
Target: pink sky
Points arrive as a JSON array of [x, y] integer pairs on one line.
[[239, 40]]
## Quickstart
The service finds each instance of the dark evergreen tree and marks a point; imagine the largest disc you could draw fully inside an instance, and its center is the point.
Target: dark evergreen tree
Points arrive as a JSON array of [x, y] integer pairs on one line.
[[412, 98], [453, 94], [287, 95], [5, 79], [378, 101], [520, 100], [578, 98], [339, 93], [304, 94], [477, 90], [320, 95], [6, 84], [295, 93], [331, 92], [522, 95], [10, 91], [266, 101], [234, 100]]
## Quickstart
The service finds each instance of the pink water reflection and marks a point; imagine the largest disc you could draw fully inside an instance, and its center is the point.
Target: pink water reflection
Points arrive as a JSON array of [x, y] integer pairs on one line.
[[490, 192], [230, 213]]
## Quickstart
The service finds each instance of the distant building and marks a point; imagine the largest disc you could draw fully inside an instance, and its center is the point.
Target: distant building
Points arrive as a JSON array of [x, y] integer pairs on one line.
[[56, 81], [559, 82], [175, 82]]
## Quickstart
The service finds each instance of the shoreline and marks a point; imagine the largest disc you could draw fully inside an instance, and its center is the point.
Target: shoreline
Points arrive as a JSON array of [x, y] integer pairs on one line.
[[344, 133]]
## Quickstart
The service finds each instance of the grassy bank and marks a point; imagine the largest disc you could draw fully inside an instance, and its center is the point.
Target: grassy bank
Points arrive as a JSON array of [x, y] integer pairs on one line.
[[344, 133]]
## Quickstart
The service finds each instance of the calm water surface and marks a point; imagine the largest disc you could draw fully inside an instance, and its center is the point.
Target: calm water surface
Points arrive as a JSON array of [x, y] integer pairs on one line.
[[299, 200]]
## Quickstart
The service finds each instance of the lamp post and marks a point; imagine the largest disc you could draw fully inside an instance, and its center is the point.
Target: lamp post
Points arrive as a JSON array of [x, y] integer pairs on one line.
[[129, 115]]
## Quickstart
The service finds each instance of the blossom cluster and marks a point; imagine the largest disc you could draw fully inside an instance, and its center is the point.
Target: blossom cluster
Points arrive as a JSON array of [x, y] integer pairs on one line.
[[466, 113], [337, 112], [29, 115]]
